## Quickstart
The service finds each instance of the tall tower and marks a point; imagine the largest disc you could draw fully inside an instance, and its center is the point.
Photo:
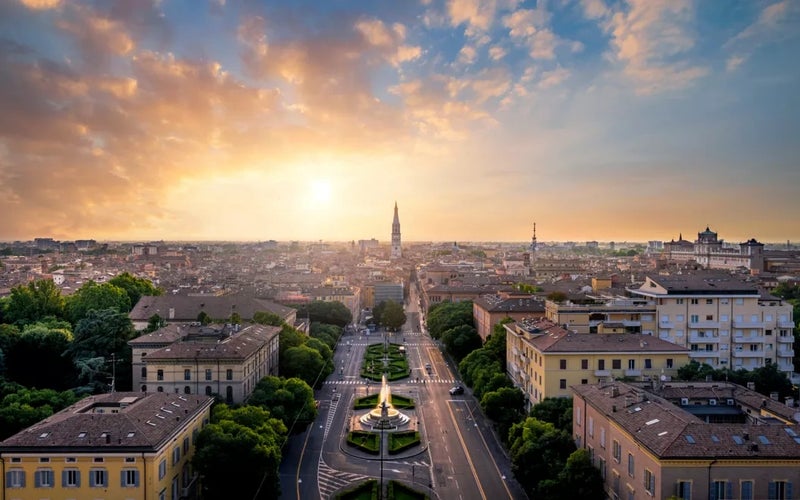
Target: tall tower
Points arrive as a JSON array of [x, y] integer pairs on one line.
[[397, 252], [532, 260]]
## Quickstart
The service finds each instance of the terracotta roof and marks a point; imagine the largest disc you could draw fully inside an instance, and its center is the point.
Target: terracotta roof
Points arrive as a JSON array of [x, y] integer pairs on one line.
[[186, 308], [495, 303], [240, 345], [143, 422]]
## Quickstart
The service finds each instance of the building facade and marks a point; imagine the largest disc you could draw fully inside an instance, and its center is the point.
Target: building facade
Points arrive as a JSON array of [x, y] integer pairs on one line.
[[632, 315], [724, 321], [111, 446], [397, 250], [194, 359], [710, 252], [647, 447], [489, 310], [545, 360]]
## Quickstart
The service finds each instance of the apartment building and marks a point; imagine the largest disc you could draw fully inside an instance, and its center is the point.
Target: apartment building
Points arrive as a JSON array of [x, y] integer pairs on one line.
[[605, 315], [215, 359], [113, 446], [646, 447], [724, 321], [489, 310], [544, 360]]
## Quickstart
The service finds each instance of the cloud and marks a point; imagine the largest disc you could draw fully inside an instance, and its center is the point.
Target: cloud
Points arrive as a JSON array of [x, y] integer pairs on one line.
[[530, 28], [770, 27], [477, 15], [649, 39], [553, 78], [41, 4], [496, 52], [467, 55]]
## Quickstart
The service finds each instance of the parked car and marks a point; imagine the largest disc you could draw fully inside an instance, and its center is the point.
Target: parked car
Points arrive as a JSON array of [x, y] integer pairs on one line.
[[456, 390]]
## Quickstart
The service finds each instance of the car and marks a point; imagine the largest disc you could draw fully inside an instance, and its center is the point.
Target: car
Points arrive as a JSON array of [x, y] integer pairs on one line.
[[456, 390]]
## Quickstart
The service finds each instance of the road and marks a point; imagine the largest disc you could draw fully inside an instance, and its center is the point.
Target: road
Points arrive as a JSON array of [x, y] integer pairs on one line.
[[460, 457]]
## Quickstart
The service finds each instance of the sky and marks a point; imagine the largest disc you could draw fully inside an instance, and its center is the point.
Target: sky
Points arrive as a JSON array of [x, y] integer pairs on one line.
[[626, 120]]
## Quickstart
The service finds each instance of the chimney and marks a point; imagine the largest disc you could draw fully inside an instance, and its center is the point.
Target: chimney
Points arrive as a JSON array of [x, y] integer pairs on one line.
[[614, 391], [108, 438], [751, 386]]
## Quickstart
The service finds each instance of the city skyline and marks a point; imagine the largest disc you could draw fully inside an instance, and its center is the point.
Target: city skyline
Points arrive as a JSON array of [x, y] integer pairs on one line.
[[629, 120]]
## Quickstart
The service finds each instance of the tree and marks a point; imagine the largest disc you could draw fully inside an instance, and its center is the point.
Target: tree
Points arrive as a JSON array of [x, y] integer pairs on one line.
[[101, 334], [204, 319], [504, 406], [267, 318], [93, 296], [306, 364], [21, 407], [134, 287], [290, 400], [538, 452], [33, 302], [695, 371], [557, 411], [287, 338], [447, 315], [35, 357], [333, 313], [557, 297], [393, 315], [578, 479], [461, 341], [245, 444], [155, 322], [329, 334]]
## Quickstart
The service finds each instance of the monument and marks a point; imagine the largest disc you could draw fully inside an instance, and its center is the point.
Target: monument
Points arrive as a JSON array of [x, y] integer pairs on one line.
[[384, 415]]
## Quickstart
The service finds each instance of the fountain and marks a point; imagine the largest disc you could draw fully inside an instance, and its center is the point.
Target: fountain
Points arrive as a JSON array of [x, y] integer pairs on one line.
[[384, 415]]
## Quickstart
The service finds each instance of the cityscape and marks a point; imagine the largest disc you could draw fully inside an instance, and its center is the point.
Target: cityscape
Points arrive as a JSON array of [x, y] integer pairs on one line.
[[435, 250]]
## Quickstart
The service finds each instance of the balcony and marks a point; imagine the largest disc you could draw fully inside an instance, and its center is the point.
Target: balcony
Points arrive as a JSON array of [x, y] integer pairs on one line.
[[785, 353], [629, 323], [747, 324], [697, 339], [703, 354], [704, 324], [666, 325], [786, 339], [602, 373], [748, 354], [633, 373], [785, 324]]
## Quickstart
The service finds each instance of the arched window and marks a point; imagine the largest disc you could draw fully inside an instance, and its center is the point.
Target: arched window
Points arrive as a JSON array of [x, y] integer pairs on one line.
[[229, 394], [160, 389], [144, 373], [187, 390], [208, 390]]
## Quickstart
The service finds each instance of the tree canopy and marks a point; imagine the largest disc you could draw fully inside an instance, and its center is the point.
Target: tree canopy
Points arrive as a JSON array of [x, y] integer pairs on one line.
[[267, 318], [333, 313], [447, 315], [461, 340], [93, 296], [33, 302], [538, 452], [291, 400], [134, 287], [389, 314]]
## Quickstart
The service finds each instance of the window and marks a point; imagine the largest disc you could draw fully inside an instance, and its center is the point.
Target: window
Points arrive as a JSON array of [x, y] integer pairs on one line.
[[162, 495], [186, 445], [650, 482], [43, 478], [601, 364], [208, 373], [98, 478], [562, 364], [579, 415], [709, 317], [615, 484], [694, 301], [603, 437], [669, 362], [187, 390], [780, 490], [747, 490], [71, 478], [584, 364], [591, 427], [584, 381], [721, 490], [176, 455], [162, 469], [616, 364], [616, 450], [631, 465], [648, 363], [679, 301], [562, 384], [694, 318], [631, 364], [129, 478], [175, 488], [683, 490], [229, 394], [160, 375], [187, 374], [709, 301], [228, 374], [15, 478], [144, 373], [601, 462]]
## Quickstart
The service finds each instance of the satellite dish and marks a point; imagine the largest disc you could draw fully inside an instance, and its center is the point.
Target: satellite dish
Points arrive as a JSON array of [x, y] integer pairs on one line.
[[663, 378]]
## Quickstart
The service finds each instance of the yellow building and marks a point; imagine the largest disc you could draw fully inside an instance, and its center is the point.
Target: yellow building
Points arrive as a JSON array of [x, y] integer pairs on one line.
[[544, 360], [117, 446]]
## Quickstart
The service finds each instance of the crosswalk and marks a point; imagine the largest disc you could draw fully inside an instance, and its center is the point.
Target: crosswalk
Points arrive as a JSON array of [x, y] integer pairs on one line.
[[330, 480], [407, 381]]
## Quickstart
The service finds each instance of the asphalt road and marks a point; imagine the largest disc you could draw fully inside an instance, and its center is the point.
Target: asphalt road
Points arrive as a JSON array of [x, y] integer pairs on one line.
[[460, 457]]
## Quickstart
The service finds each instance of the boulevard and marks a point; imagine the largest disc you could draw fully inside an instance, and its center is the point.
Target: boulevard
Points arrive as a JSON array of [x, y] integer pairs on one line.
[[459, 456]]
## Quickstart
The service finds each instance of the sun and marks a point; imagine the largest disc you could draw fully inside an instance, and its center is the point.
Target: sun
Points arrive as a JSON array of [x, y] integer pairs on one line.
[[321, 192]]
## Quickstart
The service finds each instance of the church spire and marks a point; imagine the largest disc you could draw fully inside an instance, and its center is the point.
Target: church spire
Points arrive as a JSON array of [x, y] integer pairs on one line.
[[397, 251]]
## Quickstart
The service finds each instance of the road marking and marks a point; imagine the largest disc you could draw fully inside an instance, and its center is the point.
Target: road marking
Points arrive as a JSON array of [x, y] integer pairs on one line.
[[491, 456], [464, 449]]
